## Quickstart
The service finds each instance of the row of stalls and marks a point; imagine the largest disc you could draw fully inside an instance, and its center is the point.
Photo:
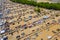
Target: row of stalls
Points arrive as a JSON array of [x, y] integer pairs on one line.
[[34, 23], [2, 31], [2, 22]]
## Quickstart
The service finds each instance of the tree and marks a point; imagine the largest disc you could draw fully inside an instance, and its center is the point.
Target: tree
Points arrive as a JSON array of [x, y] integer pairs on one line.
[[55, 6]]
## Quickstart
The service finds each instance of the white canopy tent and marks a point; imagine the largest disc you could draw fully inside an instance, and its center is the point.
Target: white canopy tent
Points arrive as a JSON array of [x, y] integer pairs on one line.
[[2, 31]]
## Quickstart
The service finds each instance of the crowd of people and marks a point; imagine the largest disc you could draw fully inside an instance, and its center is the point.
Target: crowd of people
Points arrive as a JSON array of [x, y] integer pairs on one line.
[[21, 17]]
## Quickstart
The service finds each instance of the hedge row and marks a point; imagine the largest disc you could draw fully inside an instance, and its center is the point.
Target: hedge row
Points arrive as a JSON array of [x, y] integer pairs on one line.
[[47, 5]]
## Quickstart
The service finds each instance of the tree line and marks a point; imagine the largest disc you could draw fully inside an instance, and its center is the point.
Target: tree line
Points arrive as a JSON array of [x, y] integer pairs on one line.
[[55, 6]]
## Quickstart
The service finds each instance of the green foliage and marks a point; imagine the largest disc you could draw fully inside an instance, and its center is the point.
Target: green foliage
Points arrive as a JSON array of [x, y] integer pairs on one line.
[[37, 9], [47, 5]]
